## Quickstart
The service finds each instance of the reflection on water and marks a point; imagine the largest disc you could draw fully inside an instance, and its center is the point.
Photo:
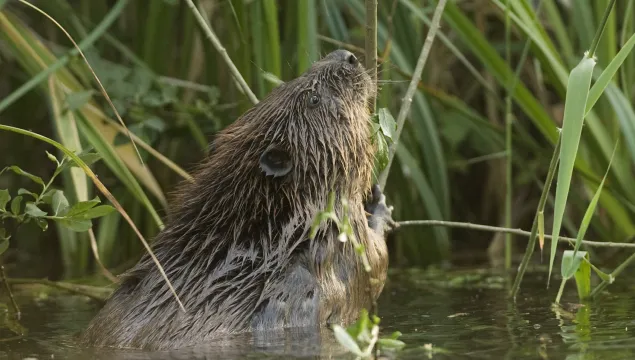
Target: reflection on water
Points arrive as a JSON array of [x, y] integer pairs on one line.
[[440, 317]]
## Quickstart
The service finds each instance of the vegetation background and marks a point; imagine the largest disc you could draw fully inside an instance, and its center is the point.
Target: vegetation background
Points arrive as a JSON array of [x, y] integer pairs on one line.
[[175, 92]]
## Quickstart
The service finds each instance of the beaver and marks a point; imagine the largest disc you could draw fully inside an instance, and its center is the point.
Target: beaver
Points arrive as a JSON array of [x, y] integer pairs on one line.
[[237, 245]]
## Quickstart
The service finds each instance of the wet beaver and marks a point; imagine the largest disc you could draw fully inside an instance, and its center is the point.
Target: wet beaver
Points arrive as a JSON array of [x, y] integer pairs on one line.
[[236, 245]]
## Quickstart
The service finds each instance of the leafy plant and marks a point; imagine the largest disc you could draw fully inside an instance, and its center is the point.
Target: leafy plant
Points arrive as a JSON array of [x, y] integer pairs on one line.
[[360, 338], [48, 204]]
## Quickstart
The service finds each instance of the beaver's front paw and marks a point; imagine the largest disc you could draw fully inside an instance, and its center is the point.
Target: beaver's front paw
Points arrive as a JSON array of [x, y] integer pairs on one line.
[[380, 214]]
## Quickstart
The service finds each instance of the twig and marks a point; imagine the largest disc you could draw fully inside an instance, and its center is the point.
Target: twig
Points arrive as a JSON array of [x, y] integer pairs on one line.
[[520, 232], [508, 144], [96, 293], [4, 279], [371, 44], [407, 100], [207, 29]]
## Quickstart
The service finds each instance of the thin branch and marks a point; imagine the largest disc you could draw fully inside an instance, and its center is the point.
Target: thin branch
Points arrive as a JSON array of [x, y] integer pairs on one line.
[[520, 232], [207, 29], [416, 76], [371, 44]]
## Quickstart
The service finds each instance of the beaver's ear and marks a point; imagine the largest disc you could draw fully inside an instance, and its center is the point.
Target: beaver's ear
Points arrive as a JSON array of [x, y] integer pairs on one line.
[[275, 161]]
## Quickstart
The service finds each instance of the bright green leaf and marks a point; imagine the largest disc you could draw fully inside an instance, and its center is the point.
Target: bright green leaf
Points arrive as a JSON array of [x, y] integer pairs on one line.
[[571, 262], [59, 203], [15, 205], [5, 197], [381, 157], [21, 172], [81, 207], [390, 344], [27, 192], [32, 210], [387, 123], [75, 224], [583, 278], [98, 211], [607, 75], [574, 110], [346, 340], [588, 215]]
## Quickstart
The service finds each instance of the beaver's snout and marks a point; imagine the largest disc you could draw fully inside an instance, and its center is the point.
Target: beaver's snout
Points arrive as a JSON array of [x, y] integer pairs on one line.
[[342, 55]]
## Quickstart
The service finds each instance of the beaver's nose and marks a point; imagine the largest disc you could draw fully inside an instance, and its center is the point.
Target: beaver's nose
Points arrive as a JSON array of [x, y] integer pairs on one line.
[[343, 55]]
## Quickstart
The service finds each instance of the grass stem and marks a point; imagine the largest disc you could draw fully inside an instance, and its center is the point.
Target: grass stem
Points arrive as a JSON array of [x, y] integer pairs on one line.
[[407, 100], [531, 245], [600, 31], [207, 29], [371, 44]]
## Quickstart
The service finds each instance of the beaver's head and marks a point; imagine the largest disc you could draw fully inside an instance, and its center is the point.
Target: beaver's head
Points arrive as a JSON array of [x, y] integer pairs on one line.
[[309, 136]]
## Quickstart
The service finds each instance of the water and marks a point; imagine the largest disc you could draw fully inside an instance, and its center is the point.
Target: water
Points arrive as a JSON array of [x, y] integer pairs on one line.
[[446, 316]]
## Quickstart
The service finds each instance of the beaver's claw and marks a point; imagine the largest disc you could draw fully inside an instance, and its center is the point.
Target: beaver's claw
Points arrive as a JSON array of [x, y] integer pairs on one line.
[[380, 214]]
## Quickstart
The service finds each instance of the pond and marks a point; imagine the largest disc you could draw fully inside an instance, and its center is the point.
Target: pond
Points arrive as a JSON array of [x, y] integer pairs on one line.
[[458, 315]]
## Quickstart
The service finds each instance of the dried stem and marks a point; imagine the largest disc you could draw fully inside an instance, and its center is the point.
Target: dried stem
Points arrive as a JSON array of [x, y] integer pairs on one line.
[[416, 76]]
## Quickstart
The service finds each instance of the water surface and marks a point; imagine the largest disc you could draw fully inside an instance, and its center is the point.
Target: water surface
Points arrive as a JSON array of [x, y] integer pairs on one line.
[[442, 316]]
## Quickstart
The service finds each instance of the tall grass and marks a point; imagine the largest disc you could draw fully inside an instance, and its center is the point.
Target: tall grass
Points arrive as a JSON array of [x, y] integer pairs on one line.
[[175, 90]]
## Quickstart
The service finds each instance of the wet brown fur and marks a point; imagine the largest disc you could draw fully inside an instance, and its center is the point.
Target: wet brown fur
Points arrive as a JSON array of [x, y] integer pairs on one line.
[[236, 244]]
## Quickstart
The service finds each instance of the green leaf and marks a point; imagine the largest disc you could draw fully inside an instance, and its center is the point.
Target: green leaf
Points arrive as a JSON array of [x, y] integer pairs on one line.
[[42, 223], [390, 344], [59, 203], [583, 278], [4, 243], [387, 123], [601, 274], [607, 75], [574, 110], [87, 157], [381, 157], [81, 207], [571, 263], [21, 172], [588, 215], [76, 224], [15, 205], [98, 211], [22, 191], [4, 199], [346, 340], [78, 99], [32, 210]]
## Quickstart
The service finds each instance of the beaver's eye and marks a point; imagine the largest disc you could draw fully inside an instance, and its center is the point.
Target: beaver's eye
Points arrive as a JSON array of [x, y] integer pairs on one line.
[[314, 99]]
